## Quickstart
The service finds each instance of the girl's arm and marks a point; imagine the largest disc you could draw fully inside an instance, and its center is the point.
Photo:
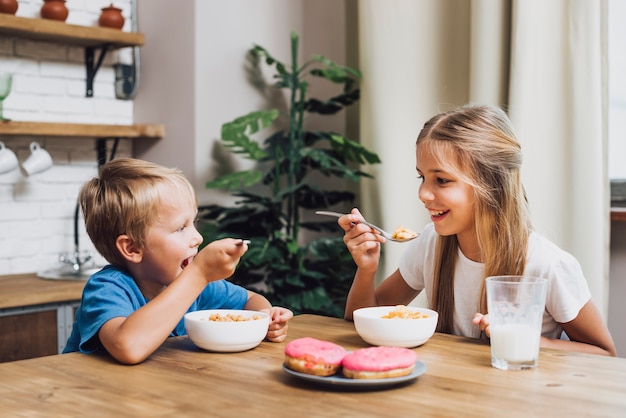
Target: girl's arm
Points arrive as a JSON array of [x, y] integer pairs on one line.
[[364, 246], [392, 291], [587, 332]]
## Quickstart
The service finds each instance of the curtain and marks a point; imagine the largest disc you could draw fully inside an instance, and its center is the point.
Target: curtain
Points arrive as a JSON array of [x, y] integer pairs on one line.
[[544, 62]]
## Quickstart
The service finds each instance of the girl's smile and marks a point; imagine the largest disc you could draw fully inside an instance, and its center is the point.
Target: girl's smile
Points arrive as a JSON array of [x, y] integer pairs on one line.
[[437, 215], [448, 198]]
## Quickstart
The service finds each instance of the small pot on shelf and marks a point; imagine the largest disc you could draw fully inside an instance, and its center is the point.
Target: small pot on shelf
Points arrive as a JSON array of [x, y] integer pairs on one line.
[[54, 10], [8, 7], [111, 17]]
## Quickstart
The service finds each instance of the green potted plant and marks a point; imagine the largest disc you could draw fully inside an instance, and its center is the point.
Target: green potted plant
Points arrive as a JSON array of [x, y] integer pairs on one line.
[[312, 276]]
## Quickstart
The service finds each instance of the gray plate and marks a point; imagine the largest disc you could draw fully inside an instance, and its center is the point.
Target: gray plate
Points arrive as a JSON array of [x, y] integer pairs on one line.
[[340, 381]]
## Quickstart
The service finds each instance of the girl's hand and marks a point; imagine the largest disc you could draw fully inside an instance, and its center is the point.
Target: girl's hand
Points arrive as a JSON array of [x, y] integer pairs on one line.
[[483, 322], [362, 241], [279, 323]]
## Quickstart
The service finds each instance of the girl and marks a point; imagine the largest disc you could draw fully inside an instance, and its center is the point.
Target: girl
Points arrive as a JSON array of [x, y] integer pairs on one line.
[[469, 163]]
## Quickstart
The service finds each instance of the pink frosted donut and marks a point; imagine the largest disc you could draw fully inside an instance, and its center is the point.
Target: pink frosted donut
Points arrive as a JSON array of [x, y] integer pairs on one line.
[[379, 362], [313, 356]]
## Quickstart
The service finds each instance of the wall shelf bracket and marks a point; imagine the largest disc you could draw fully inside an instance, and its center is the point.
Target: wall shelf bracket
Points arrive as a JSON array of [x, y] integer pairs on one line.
[[92, 65], [101, 150]]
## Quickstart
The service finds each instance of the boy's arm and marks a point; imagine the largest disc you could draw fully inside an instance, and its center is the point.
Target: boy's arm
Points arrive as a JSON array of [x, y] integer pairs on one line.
[[132, 339]]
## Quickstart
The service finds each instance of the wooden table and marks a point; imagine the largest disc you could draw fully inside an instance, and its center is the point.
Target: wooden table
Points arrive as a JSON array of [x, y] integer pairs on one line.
[[181, 380]]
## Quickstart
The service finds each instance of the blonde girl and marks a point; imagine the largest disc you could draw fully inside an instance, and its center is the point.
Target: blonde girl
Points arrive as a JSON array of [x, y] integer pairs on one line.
[[469, 161]]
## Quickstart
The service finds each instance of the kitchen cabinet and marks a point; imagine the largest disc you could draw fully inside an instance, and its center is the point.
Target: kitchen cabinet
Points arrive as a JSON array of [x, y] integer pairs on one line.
[[35, 331], [36, 315]]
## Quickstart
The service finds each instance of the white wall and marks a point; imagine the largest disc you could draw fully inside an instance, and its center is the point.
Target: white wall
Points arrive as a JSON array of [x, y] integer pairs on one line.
[[36, 213], [617, 287], [617, 89], [195, 78], [617, 169]]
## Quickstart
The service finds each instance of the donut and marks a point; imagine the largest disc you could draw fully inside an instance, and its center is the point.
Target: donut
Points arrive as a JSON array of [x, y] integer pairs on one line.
[[379, 363], [312, 356]]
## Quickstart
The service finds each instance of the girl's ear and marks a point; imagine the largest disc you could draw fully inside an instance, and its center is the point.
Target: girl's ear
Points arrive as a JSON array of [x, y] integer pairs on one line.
[[127, 248]]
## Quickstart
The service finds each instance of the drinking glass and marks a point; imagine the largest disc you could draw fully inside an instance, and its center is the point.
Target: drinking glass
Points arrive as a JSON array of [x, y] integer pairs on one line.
[[516, 305], [6, 79]]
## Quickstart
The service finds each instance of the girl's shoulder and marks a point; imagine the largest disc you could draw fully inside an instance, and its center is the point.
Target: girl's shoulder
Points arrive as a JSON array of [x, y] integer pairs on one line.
[[546, 258], [538, 243]]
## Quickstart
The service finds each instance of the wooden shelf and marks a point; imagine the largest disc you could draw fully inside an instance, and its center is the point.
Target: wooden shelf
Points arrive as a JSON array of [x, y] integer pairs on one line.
[[16, 128], [91, 38], [61, 32]]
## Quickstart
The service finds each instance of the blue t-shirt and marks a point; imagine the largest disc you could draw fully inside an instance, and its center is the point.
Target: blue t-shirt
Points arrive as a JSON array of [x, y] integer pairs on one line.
[[112, 293]]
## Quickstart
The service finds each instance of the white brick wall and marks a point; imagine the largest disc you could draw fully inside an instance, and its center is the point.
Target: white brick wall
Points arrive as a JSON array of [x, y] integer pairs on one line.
[[36, 213]]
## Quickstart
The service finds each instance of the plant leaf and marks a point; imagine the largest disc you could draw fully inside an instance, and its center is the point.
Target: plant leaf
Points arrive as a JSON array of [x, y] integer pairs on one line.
[[332, 105], [334, 72], [353, 151], [289, 268], [233, 181], [235, 134]]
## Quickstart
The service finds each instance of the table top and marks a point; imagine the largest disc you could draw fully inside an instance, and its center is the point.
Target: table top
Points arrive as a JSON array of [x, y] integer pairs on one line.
[[180, 379]]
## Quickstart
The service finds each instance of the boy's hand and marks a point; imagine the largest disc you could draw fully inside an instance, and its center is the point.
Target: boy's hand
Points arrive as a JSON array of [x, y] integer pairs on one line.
[[279, 319], [219, 259]]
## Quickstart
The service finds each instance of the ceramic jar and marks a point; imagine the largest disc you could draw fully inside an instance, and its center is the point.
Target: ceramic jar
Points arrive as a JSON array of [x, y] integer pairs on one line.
[[111, 17], [8, 6], [54, 10]]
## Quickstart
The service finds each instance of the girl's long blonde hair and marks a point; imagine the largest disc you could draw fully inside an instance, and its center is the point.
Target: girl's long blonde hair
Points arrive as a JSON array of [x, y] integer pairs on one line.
[[487, 156]]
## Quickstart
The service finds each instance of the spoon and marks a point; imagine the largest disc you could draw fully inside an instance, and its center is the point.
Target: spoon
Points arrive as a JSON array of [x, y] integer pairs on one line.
[[379, 229]]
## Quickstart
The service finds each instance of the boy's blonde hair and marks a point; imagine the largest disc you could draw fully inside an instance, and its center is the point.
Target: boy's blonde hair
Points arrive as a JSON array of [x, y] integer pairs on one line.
[[125, 199], [487, 156]]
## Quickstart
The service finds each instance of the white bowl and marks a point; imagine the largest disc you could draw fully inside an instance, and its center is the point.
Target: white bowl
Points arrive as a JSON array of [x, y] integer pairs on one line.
[[394, 332], [226, 336]]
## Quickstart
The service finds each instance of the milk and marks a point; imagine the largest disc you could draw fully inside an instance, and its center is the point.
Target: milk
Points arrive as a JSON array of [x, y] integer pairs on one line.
[[515, 342]]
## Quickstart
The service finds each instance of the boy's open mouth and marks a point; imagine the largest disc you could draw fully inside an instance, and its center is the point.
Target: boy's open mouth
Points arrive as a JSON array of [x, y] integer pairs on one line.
[[185, 263]]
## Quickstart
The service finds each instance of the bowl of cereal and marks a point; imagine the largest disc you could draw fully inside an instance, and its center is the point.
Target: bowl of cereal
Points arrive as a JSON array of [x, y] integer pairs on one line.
[[395, 326], [226, 330]]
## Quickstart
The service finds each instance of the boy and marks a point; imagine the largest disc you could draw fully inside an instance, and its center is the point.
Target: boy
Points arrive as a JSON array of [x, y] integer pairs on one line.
[[140, 217]]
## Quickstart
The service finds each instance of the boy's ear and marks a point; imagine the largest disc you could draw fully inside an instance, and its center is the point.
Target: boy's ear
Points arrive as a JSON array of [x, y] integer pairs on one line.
[[126, 246]]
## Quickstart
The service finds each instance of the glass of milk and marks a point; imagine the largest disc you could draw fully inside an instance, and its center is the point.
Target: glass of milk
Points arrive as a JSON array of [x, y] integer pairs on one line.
[[516, 305]]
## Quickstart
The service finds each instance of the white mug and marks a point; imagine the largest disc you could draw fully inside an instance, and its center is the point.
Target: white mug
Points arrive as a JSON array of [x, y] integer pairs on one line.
[[38, 161], [8, 160]]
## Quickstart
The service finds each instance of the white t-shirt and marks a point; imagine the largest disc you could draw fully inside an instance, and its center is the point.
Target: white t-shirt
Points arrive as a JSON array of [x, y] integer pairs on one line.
[[567, 292]]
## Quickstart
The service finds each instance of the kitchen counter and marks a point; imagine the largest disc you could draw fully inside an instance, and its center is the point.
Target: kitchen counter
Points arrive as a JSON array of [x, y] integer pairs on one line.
[[20, 290]]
